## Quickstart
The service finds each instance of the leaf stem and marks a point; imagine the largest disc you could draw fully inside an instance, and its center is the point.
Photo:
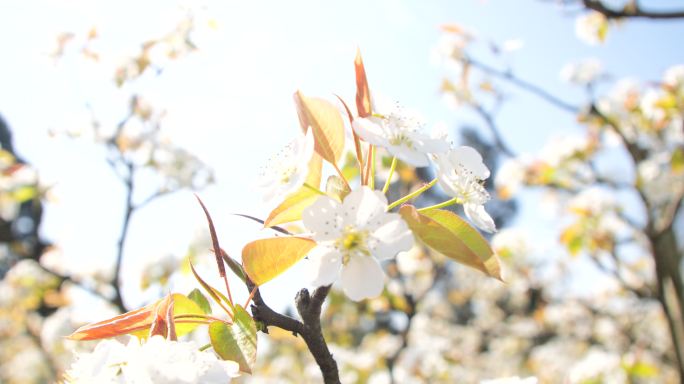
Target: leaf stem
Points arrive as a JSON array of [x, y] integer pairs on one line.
[[371, 177], [412, 195], [314, 189], [389, 175], [440, 205]]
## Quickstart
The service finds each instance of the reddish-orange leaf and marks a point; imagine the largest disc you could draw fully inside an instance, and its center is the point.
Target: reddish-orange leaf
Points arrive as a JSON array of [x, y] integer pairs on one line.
[[140, 321], [363, 100]]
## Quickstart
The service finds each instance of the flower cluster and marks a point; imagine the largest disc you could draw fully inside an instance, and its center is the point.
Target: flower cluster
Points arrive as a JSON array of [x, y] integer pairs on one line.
[[154, 361]]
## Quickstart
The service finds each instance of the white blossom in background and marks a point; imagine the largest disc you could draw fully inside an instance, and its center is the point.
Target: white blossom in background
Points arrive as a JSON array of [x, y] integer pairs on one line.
[[155, 361], [461, 174], [510, 177], [511, 380], [591, 27], [583, 72], [353, 237], [286, 172], [399, 131], [598, 366], [674, 78]]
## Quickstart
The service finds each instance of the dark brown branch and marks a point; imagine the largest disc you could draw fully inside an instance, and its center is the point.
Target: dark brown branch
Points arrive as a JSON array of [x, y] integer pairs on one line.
[[631, 12], [309, 308], [268, 317]]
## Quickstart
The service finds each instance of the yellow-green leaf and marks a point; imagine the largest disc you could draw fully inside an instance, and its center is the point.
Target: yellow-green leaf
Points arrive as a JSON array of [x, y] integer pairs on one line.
[[327, 125], [291, 209], [452, 236], [199, 299], [265, 259], [236, 342]]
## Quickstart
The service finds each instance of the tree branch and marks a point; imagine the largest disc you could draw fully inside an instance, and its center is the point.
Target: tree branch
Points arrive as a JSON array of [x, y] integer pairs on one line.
[[309, 308], [116, 280], [631, 12], [494, 129], [532, 88]]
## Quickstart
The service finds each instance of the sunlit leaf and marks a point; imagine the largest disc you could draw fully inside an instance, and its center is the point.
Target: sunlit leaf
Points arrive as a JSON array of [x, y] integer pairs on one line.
[[265, 259], [215, 294], [363, 98], [139, 321], [327, 125], [573, 239], [452, 236], [291, 209], [236, 342], [199, 299], [234, 266]]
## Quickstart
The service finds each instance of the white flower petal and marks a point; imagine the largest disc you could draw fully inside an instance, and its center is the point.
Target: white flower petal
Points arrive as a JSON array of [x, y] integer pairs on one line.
[[362, 278], [479, 217], [362, 207], [409, 156], [471, 159], [324, 265], [323, 219], [370, 130], [392, 237]]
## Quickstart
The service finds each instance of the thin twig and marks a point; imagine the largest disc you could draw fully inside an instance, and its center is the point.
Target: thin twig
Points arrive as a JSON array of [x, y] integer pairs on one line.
[[532, 88], [129, 209], [631, 12]]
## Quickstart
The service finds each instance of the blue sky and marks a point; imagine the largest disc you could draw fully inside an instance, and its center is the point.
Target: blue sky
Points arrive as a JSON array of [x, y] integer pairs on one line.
[[231, 102]]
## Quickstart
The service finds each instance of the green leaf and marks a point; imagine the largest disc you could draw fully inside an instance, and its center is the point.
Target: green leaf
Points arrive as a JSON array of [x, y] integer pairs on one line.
[[327, 125], [452, 236], [199, 299], [213, 292], [265, 259], [237, 342], [234, 266]]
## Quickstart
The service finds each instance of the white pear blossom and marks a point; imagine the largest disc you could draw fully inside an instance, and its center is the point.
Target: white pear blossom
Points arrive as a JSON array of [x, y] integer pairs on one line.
[[591, 27], [155, 361], [511, 380], [284, 173], [399, 132], [583, 72], [353, 236], [674, 78], [461, 173]]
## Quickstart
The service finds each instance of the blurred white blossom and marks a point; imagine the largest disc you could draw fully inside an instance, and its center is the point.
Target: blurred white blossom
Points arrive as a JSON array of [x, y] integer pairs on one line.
[[591, 27], [155, 361]]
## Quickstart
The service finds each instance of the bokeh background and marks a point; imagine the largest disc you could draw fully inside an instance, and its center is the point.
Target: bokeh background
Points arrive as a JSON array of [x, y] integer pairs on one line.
[[114, 113]]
